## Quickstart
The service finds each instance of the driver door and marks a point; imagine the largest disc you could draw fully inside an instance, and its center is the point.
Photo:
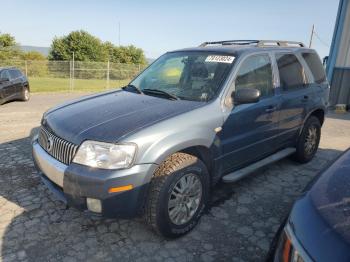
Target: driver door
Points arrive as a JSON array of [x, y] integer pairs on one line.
[[249, 129]]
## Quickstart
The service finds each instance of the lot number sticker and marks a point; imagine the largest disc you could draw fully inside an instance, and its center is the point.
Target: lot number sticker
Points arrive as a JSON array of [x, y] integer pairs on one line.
[[220, 59]]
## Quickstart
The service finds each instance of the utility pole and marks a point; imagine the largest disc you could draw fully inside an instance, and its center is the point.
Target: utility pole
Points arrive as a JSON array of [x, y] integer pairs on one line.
[[119, 33], [107, 74], [312, 35], [73, 73], [26, 67]]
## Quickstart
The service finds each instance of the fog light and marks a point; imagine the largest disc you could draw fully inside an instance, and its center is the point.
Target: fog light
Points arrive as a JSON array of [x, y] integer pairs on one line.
[[94, 205]]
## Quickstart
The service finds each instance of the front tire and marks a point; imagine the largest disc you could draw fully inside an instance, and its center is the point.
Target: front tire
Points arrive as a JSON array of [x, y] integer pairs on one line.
[[309, 140], [178, 195], [25, 94]]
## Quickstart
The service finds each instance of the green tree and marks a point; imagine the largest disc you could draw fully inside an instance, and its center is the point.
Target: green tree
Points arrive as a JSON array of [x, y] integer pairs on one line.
[[36, 63], [135, 55], [86, 47], [125, 54], [6, 40], [9, 48], [33, 55]]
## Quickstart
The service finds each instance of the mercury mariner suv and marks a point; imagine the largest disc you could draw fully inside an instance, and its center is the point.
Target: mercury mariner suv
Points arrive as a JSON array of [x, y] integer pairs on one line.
[[195, 116]]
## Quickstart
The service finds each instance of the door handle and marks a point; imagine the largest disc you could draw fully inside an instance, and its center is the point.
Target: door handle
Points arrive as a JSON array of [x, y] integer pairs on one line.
[[270, 109], [305, 99]]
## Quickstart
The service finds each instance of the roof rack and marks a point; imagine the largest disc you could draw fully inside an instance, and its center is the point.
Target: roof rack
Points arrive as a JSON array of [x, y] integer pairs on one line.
[[258, 43]]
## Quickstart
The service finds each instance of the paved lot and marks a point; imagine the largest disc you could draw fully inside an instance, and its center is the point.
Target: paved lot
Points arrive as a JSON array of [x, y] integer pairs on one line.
[[239, 226]]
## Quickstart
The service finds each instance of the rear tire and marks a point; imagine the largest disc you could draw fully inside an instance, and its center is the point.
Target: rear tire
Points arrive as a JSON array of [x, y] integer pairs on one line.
[[25, 94], [309, 140], [178, 195]]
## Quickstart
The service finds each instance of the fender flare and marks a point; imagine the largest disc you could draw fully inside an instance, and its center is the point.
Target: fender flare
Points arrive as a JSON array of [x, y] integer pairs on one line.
[[309, 114]]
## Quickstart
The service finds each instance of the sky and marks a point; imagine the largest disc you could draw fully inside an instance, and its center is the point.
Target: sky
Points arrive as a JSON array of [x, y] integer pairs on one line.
[[158, 26]]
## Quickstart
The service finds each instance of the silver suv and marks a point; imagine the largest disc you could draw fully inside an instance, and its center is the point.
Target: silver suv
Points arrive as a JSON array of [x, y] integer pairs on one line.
[[193, 117]]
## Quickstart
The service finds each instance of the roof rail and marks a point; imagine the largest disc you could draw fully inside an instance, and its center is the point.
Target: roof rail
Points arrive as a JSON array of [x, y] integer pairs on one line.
[[258, 43]]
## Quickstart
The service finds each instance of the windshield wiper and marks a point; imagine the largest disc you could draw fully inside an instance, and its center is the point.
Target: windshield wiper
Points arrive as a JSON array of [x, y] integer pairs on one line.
[[161, 92], [133, 87]]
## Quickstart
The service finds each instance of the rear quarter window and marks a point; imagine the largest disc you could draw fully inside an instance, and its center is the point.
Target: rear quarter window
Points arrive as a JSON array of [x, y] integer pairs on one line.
[[316, 67], [4, 74]]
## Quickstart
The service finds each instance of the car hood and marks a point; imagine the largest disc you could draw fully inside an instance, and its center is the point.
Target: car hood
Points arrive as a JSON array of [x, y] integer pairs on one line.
[[321, 219], [331, 195], [110, 116]]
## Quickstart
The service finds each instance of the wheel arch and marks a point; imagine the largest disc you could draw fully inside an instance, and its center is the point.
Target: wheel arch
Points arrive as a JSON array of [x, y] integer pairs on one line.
[[319, 113], [203, 153], [206, 155], [26, 85]]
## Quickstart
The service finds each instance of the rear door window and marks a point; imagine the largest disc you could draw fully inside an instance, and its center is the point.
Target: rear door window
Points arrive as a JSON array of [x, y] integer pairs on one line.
[[256, 72], [315, 65], [13, 74], [291, 72]]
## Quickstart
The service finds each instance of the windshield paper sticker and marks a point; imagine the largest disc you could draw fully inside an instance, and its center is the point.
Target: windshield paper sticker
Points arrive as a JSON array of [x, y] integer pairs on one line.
[[220, 59]]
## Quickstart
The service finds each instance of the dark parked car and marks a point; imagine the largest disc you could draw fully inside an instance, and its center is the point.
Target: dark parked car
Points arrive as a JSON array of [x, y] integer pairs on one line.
[[318, 227], [13, 85], [193, 117]]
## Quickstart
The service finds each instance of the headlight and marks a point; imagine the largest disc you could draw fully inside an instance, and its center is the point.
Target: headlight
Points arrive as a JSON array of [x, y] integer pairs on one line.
[[289, 249], [105, 155]]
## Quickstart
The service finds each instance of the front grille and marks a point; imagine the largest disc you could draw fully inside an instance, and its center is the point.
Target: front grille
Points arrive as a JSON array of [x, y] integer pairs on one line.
[[57, 147]]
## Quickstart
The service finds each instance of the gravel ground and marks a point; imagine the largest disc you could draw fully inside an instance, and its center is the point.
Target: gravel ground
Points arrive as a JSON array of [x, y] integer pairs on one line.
[[239, 226]]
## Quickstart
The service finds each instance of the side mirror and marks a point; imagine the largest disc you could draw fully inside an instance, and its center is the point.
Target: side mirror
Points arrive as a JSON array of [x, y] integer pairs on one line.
[[246, 96], [5, 79]]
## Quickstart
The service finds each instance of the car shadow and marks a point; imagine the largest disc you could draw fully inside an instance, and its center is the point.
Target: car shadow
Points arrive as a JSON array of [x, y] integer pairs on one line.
[[34, 226], [10, 101]]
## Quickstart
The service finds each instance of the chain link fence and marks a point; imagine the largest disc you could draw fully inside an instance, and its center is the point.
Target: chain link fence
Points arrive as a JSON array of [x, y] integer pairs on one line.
[[69, 76]]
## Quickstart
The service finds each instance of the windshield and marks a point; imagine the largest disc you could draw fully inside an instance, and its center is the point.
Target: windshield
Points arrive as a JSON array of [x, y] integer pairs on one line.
[[195, 76]]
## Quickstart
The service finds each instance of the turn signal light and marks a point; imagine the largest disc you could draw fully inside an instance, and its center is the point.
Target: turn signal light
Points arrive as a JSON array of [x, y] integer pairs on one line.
[[120, 189], [286, 250]]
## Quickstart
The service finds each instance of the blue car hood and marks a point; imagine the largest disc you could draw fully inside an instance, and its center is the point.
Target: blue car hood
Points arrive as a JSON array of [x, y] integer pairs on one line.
[[110, 116], [321, 219]]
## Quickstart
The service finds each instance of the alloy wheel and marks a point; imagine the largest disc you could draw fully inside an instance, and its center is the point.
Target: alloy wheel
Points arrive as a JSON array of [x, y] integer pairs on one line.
[[185, 199], [26, 94], [311, 140]]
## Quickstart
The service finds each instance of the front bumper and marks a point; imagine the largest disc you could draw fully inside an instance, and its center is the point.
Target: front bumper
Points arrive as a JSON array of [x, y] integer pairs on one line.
[[74, 183]]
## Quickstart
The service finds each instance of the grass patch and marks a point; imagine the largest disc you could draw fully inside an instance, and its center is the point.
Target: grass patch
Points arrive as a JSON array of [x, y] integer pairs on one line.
[[47, 84]]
